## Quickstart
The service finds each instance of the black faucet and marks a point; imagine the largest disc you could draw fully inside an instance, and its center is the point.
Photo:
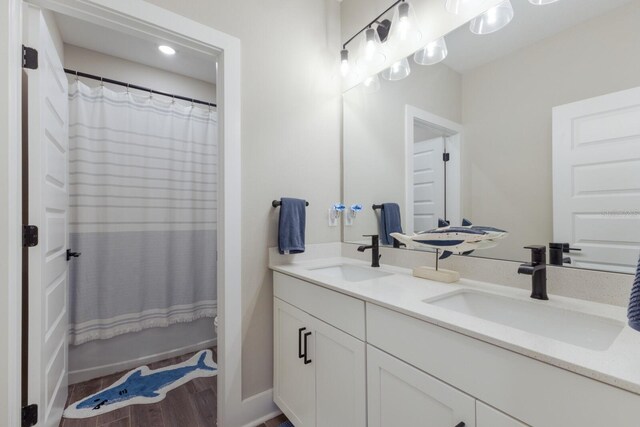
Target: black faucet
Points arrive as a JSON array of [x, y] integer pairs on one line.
[[375, 249], [557, 251], [537, 269]]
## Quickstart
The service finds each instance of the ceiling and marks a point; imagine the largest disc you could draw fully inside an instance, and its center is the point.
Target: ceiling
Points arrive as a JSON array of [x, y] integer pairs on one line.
[[530, 24], [187, 62]]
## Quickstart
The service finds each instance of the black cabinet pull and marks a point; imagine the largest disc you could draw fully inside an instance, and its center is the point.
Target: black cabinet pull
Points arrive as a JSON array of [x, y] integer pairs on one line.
[[306, 335], [460, 424], [300, 353]]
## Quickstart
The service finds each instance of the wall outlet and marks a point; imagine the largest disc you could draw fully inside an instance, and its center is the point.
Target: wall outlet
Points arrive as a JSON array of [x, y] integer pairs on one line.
[[333, 218]]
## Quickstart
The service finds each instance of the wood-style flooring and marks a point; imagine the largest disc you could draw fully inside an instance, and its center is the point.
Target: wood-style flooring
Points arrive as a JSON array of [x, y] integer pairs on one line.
[[191, 405]]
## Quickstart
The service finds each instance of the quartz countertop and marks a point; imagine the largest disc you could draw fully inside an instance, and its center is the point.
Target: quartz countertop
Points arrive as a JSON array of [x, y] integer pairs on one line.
[[619, 365]]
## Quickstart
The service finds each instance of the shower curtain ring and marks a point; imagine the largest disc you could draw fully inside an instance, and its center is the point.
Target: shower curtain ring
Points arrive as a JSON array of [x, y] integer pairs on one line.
[[127, 88], [101, 82], [150, 93], [77, 75]]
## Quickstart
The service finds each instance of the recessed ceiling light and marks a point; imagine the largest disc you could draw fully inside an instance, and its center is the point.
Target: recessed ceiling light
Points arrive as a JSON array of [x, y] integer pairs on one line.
[[167, 50]]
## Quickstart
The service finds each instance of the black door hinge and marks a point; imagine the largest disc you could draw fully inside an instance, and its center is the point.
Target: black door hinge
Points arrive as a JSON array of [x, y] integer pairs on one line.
[[445, 157], [29, 415], [29, 58], [29, 236]]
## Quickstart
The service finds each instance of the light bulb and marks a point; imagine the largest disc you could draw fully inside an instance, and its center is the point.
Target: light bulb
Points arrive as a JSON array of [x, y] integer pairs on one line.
[[344, 62], [371, 52], [432, 53], [397, 71], [404, 28], [493, 19], [542, 2]]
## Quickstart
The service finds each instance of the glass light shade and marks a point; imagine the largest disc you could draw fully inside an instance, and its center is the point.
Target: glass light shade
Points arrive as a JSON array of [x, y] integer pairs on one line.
[[398, 70], [493, 19], [371, 53], [371, 84], [344, 62], [457, 6], [404, 26], [432, 53], [542, 2]]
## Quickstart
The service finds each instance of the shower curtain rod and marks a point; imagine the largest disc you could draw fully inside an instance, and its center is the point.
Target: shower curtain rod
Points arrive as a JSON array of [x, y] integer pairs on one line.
[[132, 86]]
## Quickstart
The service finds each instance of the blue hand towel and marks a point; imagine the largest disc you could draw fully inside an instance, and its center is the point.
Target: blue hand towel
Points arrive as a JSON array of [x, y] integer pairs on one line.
[[291, 226], [390, 222], [634, 303]]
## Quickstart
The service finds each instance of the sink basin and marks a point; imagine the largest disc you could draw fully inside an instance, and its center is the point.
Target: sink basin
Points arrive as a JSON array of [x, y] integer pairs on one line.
[[581, 329], [351, 273]]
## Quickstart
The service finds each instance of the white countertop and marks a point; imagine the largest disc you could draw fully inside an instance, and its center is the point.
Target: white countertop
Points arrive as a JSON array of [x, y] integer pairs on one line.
[[619, 365]]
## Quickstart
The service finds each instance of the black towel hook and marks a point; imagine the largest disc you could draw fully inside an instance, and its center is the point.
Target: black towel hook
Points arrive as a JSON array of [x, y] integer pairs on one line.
[[277, 203]]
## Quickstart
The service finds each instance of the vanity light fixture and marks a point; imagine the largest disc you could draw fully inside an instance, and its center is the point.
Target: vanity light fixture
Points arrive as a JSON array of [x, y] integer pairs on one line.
[[434, 52], [542, 2], [493, 19], [344, 62], [398, 70], [404, 27], [167, 50]]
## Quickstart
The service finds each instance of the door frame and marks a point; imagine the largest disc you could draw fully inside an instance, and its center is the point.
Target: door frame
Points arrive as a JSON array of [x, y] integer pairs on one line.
[[453, 145], [135, 16]]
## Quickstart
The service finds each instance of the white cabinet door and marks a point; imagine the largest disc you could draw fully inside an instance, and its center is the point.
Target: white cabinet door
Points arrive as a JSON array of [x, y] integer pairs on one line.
[[400, 395], [341, 391], [294, 381], [48, 158], [486, 416]]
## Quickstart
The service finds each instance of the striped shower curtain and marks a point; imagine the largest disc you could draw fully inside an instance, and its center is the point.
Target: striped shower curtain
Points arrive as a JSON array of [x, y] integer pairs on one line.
[[143, 198]]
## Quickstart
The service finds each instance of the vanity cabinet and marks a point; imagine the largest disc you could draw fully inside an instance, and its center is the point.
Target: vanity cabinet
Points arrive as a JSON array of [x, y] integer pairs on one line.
[[401, 395], [319, 370], [486, 416], [341, 362]]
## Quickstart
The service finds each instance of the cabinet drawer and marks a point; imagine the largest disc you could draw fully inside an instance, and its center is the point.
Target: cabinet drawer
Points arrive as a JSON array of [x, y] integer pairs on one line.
[[539, 394], [339, 310]]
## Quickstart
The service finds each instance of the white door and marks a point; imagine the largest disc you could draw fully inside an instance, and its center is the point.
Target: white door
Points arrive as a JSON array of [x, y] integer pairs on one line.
[[401, 395], [596, 180], [428, 183], [48, 210], [293, 380], [341, 389], [489, 417]]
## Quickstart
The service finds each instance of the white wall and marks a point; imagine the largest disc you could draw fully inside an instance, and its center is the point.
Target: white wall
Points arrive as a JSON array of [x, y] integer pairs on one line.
[[92, 62], [507, 120], [374, 128], [291, 113]]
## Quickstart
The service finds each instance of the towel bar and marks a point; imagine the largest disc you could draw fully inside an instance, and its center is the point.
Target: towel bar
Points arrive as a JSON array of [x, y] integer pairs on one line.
[[277, 203], [376, 207]]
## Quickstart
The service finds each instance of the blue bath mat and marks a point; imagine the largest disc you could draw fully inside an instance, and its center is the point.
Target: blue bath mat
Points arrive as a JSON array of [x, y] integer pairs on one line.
[[143, 385], [286, 424]]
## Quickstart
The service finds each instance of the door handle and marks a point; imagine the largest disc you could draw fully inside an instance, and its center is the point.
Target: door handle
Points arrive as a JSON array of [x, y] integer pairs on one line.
[[300, 353], [72, 254], [306, 335]]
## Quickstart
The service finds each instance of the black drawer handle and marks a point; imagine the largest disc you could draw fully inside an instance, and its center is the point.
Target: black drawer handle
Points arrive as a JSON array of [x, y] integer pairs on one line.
[[300, 353], [306, 335], [460, 424]]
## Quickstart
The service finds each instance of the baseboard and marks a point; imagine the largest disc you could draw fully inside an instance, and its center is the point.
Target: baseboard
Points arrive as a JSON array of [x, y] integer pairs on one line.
[[259, 408], [100, 371]]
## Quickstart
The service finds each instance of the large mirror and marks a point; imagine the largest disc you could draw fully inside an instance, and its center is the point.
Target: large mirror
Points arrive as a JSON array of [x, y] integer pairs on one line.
[[540, 123]]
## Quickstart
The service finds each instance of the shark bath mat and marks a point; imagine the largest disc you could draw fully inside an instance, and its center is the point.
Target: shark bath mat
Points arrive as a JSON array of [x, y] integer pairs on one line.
[[143, 385]]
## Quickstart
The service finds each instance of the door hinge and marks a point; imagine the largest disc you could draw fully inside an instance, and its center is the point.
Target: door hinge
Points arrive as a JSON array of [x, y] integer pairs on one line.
[[29, 58], [445, 157], [29, 415], [29, 236]]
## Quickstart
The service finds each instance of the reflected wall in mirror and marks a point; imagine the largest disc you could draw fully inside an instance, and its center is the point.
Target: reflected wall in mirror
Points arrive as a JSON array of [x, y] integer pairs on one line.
[[541, 123]]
